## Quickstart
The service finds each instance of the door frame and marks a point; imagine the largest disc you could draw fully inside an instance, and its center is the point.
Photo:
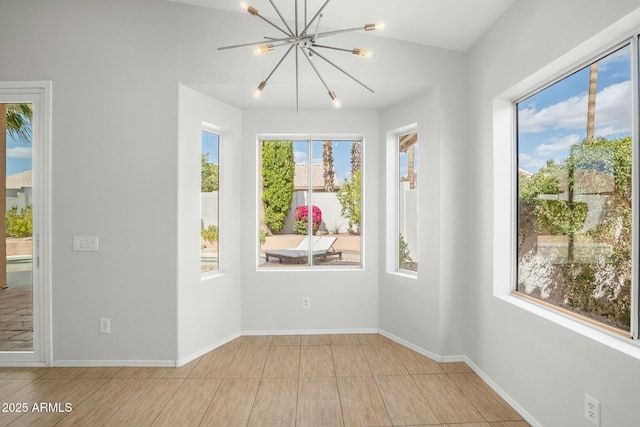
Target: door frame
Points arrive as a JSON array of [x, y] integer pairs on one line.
[[39, 94]]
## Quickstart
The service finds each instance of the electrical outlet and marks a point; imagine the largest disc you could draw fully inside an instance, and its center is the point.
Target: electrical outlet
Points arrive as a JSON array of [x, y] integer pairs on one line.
[[105, 326], [306, 302], [592, 409]]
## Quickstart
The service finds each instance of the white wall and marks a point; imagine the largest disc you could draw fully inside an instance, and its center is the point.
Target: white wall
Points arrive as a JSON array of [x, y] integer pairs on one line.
[[114, 127], [544, 366], [427, 311], [208, 308], [340, 299]]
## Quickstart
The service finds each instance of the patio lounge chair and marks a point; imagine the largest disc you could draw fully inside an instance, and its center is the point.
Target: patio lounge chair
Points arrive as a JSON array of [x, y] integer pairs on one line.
[[321, 247]]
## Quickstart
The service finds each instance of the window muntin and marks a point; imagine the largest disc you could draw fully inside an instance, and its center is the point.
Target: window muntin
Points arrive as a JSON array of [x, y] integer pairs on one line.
[[575, 210], [310, 203], [209, 202], [407, 199]]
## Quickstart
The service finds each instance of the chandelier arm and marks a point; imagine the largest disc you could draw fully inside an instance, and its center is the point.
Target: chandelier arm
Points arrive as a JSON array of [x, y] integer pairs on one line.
[[315, 16], [335, 32], [317, 28], [279, 62], [333, 48], [281, 17], [293, 39], [314, 68], [343, 71], [273, 25]]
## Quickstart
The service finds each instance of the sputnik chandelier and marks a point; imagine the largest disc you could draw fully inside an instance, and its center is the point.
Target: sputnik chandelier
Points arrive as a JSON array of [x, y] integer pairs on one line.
[[303, 42]]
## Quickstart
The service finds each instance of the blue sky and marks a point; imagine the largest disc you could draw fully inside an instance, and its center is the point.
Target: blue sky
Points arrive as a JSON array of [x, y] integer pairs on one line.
[[403, 161], [552, 120], [210, 145], [341, 156], [18, 156]]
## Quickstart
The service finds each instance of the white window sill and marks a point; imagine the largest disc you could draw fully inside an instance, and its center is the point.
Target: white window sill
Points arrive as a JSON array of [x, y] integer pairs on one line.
[[211, 275], [313, 269], [404, 274]]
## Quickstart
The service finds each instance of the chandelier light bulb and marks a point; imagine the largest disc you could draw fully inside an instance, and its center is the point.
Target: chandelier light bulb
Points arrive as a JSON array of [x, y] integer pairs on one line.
[[249, 9], [261, 50], [363, 52], [372, 27], [334, 99], [258, 91]]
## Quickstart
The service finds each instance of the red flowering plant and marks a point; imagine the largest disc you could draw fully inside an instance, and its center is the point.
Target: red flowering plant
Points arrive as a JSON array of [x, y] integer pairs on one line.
[[301, 216]]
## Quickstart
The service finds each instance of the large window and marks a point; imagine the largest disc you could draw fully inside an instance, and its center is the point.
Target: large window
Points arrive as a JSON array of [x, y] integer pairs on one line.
[[310, 203], [575, 202], [407, 203], [209, 202]]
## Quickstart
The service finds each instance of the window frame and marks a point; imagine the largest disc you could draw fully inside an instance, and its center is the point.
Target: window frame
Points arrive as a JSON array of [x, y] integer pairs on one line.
[[213, 129], [310, 138], [505, 131], [392, 253], [40, 95]]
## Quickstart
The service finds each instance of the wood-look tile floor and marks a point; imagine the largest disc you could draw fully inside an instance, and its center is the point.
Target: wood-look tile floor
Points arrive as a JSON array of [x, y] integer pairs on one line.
[[318, 380]]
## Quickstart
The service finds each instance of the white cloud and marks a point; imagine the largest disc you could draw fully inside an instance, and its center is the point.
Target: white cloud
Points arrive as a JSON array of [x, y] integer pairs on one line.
[[621, 55], [613, 109], [19, 152], [300, 157], [530, 163], [568, 114], [555, 148], [613, 112], [556, 144]]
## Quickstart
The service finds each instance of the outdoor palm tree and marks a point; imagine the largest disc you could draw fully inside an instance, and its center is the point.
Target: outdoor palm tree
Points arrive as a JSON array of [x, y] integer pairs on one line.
[[329, 171], [591, 103], [356, 156], [15, 119]]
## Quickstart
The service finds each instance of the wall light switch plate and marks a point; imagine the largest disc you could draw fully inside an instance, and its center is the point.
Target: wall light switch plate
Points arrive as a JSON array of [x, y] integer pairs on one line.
[[85, 243]]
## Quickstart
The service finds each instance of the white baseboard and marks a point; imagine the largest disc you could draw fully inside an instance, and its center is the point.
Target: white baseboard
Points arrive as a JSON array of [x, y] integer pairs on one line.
[[503, 394], [422, 351], [311, 332], [184, 360], [461, 358]]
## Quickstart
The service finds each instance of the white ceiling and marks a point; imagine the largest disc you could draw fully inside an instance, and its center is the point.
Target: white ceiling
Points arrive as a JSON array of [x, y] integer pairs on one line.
[[447, 24], [452, 25]]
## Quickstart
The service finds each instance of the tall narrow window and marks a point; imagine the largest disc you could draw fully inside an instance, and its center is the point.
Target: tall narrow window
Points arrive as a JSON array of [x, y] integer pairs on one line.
[[310, 203], [407, 196], [575, 179], [209, 202]]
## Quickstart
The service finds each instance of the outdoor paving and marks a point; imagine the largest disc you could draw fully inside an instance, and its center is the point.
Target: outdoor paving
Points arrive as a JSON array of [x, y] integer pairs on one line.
[[16, 319]]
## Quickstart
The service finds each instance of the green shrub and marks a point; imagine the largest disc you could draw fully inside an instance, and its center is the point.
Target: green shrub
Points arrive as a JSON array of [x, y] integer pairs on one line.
[[19, 224], [210, 234], [350, 198], [405, 255], [278, 169], [209, 179]]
